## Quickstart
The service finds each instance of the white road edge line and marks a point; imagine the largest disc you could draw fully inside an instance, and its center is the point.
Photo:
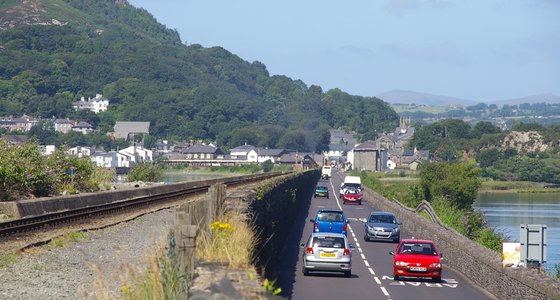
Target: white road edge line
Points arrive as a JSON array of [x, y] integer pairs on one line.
[[377, 280], [360, 249], [366, 262], [371, 271], [384, 291]]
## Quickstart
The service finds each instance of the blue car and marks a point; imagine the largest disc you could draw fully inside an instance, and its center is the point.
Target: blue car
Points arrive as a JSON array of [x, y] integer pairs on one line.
[[329, 220]]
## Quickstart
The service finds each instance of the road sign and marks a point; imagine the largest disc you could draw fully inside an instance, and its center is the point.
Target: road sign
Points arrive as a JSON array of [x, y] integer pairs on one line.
[[532, 238]]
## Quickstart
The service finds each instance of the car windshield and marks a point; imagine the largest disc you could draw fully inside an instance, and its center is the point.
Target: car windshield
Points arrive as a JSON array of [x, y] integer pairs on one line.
[[417, 248], [330, 216], [382, 219], [321, 188], [328, 242], [352, 191]]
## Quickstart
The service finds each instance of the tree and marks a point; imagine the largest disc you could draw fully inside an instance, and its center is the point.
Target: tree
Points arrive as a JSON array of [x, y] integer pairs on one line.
[[457, 182], [487, 158]]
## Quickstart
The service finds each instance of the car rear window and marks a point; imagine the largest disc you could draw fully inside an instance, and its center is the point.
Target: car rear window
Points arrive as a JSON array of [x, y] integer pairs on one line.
[[382, 219], [417, 248], [328, 242], [330, 217]]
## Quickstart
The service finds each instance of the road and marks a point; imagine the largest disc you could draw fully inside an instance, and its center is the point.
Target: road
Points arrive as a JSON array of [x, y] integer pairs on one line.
[[371, 264]]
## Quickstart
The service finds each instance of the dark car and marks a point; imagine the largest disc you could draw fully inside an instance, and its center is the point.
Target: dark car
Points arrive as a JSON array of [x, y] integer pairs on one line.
[[382, 226], [416, 258], [328, 220], [321, 191]]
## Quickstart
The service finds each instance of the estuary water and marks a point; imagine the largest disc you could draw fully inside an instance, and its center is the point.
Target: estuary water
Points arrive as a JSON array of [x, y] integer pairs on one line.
[[507, 211], [173, 177]]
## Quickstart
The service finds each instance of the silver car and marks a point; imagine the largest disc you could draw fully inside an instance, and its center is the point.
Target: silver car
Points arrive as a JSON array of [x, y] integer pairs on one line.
[[382, 226], [327, 252]]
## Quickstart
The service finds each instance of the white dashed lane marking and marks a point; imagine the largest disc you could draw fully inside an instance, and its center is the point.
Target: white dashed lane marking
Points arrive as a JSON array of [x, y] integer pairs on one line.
[[359, 248]]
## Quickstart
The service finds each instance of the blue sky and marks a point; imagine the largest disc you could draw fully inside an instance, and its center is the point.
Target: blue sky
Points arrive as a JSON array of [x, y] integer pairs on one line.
[[481, 50]]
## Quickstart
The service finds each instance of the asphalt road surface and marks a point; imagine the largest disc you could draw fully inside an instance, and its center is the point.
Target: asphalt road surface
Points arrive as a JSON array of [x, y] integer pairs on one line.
[[372, 276]]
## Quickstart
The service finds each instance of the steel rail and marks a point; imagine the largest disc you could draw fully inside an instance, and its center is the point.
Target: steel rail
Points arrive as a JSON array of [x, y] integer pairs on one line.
[[53, 219]]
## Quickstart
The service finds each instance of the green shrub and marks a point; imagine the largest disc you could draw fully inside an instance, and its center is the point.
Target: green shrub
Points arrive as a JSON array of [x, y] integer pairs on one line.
[[267, 166], [145, 172]]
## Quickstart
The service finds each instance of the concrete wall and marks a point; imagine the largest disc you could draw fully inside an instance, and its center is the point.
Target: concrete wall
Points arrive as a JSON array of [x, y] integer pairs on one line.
[[41, 206], [479, 264]]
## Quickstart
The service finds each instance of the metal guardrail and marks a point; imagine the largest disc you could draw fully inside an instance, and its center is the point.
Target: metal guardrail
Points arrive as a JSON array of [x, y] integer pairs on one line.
[[426, 207]]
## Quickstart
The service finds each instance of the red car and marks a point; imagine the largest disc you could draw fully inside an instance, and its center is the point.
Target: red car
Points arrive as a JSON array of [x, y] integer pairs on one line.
[[352, 196], [416, 258]]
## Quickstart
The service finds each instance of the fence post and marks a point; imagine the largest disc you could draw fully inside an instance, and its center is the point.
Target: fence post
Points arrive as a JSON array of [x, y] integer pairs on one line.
[[185, 236]]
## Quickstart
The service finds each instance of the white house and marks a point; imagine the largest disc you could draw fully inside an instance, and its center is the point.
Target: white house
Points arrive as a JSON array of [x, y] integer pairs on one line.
[[269, 154], [80, 151], [391, 165], [97, 104], [243, 151], [138, 154]]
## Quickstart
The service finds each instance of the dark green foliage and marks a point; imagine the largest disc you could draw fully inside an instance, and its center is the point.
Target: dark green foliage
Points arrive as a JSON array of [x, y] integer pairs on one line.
[[24, 172], [458, 182], [186, 92], [267, 166], [145, 172]]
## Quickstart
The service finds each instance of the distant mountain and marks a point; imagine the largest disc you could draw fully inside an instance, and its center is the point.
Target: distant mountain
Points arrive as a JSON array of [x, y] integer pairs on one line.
[[411, 97], [548, 98]]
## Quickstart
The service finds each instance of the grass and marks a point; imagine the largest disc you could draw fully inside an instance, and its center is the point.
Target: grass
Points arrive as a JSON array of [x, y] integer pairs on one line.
[[231, 241], [160, 281], [64, 240], [6, 260]]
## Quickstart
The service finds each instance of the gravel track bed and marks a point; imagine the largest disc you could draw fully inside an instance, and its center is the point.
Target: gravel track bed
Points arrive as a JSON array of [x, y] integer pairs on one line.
[[92, 268], [95, 267]]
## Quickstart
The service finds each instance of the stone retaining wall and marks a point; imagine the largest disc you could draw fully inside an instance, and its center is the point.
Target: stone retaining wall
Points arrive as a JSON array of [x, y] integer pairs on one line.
[[479, 264], [273, 211]]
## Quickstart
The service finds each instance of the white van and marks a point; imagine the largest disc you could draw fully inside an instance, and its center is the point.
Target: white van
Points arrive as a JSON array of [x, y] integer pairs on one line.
[[354, 182], [326, 171]]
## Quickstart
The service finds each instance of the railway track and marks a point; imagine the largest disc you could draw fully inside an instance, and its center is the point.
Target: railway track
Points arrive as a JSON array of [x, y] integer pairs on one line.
[[45, 221]]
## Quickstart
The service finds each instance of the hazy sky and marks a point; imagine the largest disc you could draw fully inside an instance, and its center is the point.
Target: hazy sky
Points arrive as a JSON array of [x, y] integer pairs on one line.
[[480, 50]]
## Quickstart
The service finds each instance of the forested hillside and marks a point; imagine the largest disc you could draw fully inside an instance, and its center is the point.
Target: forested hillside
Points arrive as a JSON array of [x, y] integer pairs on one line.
[[186, 92]]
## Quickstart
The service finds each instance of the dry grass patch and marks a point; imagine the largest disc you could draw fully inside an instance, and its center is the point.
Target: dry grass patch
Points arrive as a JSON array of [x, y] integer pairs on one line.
[[230, 240]]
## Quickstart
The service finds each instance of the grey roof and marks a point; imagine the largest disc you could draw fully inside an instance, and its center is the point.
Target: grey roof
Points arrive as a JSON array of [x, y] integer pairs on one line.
[[202, 149], [408, 152], [243, 148], [367, 145], [270, 152], [387, 137], [339, 147], [123, 129], [83, 125]]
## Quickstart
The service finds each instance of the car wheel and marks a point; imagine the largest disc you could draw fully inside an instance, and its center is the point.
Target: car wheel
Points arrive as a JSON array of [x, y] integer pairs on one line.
[[348, 274], [396, 277], [436, 279], [396, 240], [344, 202], [305, 272], [360, 203], [366, 238]]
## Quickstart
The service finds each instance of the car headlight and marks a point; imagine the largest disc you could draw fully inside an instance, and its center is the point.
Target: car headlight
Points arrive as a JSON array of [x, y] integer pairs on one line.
[[435, 265], [396, 229], [401, 263]]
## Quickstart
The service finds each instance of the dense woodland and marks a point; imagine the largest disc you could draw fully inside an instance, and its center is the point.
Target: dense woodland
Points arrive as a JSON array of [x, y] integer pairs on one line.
[[186, 92]]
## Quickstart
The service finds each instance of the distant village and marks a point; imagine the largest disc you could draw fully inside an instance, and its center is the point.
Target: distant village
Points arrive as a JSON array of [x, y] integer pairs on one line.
[[387, 152]]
